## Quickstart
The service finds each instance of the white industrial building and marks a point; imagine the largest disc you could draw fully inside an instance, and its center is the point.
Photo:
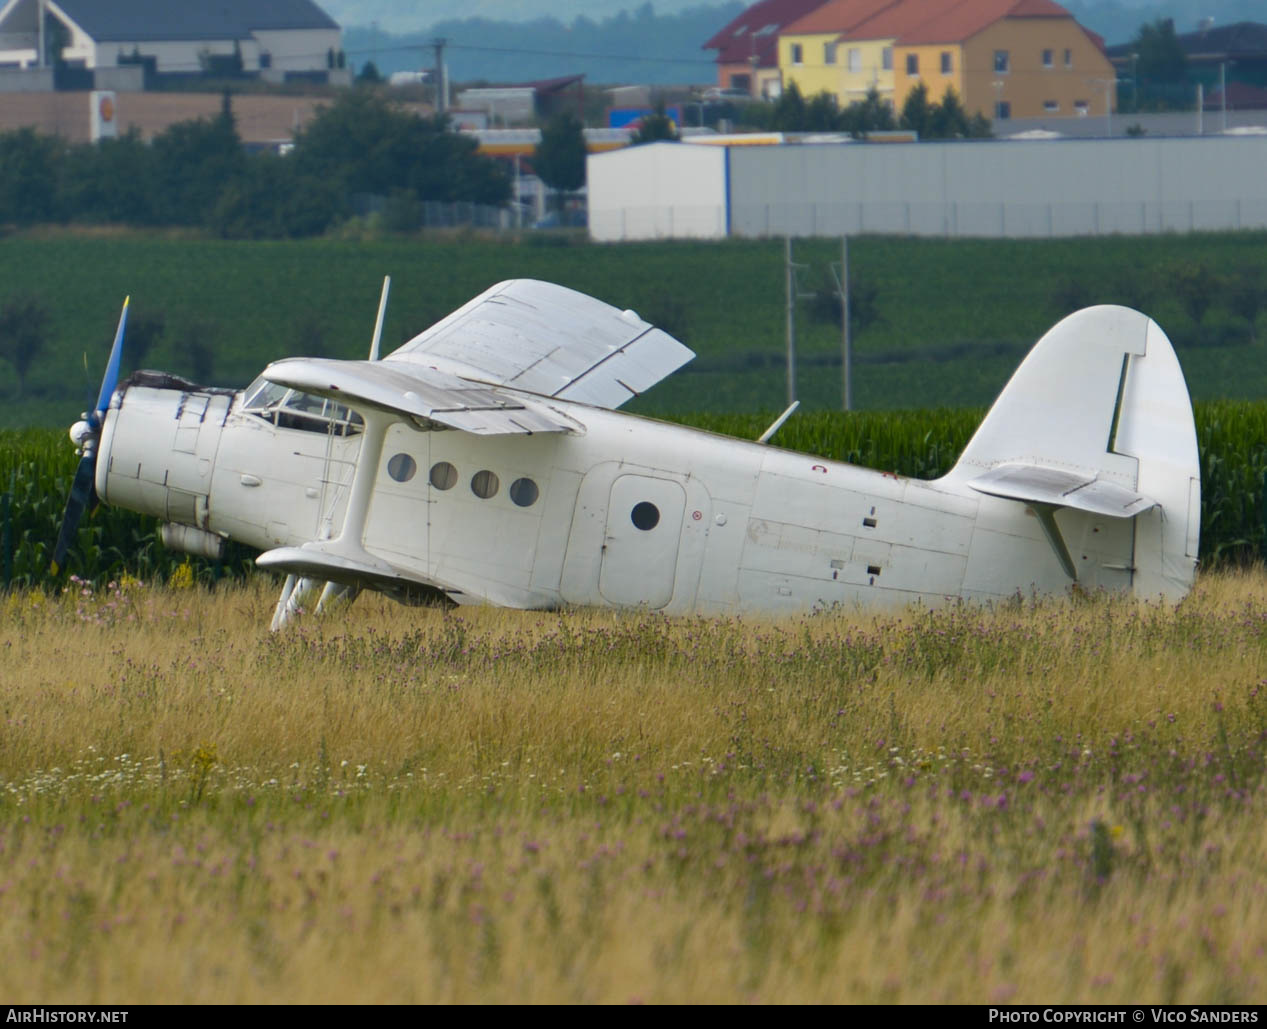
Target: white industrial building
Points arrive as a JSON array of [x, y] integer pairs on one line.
[[278, 35], [993, 188]]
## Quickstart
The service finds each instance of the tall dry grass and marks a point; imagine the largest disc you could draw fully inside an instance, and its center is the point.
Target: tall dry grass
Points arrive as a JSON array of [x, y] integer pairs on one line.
[[1060, 800]]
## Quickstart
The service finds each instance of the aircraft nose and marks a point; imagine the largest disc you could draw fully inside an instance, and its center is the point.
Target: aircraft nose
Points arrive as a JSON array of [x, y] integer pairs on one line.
[[158, 449]]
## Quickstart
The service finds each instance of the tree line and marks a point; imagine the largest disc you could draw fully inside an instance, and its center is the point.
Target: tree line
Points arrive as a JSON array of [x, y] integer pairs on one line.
[[943, 119], [197, 173]]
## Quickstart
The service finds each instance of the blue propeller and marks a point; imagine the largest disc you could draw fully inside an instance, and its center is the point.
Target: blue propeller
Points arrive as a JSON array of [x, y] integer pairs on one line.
[[86, 435]]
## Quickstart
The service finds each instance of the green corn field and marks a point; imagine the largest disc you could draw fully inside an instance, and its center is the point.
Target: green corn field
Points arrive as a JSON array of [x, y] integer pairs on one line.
[[36, 466]]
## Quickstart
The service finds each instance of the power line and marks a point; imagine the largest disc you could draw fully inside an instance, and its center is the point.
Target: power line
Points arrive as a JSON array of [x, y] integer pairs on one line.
[[543, 53], [362, 52]]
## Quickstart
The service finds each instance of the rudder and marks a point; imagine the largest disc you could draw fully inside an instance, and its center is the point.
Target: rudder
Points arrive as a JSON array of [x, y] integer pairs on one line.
[[1097, 418]]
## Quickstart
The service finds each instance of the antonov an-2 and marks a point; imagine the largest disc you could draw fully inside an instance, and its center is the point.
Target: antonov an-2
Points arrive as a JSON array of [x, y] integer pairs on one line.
[[484, 461]]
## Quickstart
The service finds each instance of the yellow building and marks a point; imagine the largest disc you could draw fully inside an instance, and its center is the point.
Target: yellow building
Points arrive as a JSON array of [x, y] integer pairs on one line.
[[1004, 58], [817, 54]]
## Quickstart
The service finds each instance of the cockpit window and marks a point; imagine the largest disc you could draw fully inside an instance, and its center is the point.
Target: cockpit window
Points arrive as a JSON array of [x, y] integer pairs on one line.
[[262, 393], [291, 409]]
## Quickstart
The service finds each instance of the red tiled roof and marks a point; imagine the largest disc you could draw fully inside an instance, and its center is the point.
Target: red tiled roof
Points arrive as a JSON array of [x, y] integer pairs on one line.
[[839, 16], [756, 31], [898, 19], [964, 20]]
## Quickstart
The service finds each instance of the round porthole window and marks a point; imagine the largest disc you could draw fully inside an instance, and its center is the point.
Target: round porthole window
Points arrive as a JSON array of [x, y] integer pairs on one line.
[[524, 492], [402, 467], [484, 484], [443, 475], [645, 516]]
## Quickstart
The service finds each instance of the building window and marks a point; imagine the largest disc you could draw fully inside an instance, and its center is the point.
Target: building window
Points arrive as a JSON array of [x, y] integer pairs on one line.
[[1068, 58], [886, 61], [1003, 110], [743, 82], [947, 65], [912, 64], [1001, 63], [1048, 58], [829, 53], [1051, 106], [1081, 107], [855, 59], [797, 54]]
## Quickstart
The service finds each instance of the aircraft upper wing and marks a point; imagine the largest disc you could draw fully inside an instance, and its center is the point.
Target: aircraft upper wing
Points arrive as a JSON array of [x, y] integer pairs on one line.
[[422, 392], [549, 340]]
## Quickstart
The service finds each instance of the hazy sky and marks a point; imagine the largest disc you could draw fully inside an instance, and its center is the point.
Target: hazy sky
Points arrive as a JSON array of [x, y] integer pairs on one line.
[[410, 15], [405, 15]]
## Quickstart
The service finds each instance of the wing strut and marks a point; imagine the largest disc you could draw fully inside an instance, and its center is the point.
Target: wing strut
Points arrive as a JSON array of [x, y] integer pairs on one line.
[[345, 552]]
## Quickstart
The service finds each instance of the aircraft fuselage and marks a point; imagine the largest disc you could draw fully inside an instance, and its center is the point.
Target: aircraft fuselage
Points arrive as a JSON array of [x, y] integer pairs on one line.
[[626, 511]]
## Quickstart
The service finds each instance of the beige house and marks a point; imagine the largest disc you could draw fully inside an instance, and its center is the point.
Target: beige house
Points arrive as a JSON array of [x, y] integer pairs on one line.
[[1003, 58]]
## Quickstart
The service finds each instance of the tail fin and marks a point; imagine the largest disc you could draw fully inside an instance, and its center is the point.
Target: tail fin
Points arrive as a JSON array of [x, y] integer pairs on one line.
[[1097, 420]]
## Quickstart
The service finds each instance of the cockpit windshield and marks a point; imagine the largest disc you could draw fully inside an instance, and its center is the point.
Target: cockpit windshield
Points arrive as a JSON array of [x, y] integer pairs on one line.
[[291, 409]]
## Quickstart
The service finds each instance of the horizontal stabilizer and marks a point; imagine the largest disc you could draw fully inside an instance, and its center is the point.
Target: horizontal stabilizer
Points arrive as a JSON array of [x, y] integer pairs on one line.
[[420, 392], [1059, 487]]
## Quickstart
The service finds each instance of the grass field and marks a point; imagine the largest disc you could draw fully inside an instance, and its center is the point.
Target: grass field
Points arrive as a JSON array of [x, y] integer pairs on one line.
[[952, 319], [1060, 801]]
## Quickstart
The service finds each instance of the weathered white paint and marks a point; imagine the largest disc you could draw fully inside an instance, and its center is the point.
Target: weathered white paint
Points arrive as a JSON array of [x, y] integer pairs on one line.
[[737, 526]]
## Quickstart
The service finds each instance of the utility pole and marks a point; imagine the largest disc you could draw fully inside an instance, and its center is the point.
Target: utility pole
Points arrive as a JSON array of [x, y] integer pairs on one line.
[[1108, 85], [1223, 93], [39, 58], [841, 275], [790, 270], [442, 85], [846, 353]]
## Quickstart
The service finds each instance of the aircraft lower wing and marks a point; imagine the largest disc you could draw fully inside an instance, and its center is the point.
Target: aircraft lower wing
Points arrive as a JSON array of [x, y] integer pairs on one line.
[[1059, 487], [316, 562], [423, 393], [328, 561], [549, 340]]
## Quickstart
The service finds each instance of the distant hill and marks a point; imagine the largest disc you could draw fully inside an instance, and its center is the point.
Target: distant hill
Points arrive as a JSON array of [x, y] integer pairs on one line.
[[1118, 21], [614, 41], [626, 47], [411, 16]]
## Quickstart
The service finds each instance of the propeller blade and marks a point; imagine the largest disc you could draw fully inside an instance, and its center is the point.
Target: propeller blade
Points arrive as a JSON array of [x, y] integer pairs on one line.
[[111, 378], [82, 491], [81, 495]]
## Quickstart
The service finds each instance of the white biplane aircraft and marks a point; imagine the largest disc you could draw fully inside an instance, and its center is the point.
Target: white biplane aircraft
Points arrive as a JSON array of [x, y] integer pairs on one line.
[[484, 461]]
